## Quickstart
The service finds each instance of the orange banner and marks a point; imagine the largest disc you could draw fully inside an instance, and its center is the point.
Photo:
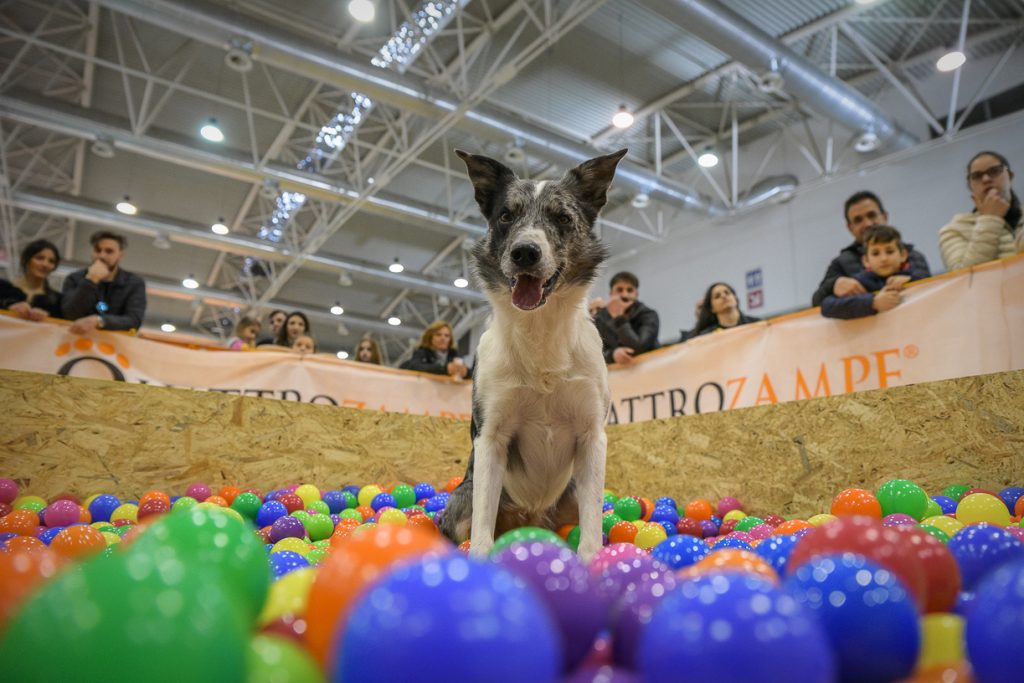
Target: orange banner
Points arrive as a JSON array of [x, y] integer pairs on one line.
[[965, 323]]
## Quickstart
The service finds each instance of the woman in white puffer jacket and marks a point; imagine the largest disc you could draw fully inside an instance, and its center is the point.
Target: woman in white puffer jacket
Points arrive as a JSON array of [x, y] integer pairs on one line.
[[994, 229]]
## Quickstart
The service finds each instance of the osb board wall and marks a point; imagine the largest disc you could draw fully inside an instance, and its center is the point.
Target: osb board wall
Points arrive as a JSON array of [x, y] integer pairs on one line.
[[88, 436]]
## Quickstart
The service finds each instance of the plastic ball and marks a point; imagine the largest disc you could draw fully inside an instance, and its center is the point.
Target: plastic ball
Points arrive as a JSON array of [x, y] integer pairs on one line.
[[424, 490], [941, 573], [708, 528], [183, 504], [932, 508], [935, 532], [946, 504], [609, 555], [48, 535], [956, 491], [856, 502], [392, 516], [291, 544], [898, 519], [733, 560], [634, 609], [748, 523], [507, 637], [78, 541], [353, 565], [689, 527], [628, 508], [248, 505], [680, 551], [291, 502], [563, 584], [902, 495], [367, 494], [527, 534], [980, 549], [152, 508], [199, 491], [981, 507], [944, 673], [994, 625], [665, 513], [335, 500], [308, 493], [404, 495], [650, 536], [21, 572], [29, 502], [699, 509], [728, 504], [319, 527], [701, 626], [273, 659], [382, 500], [602, 674], [102, 506], [775, 550], [125, 511], [270, 512], [61, 513], [731, 543], [286, 561], [942, 640], [866, 613], [8, 490], [824, 518], [733, 516], [947, 525], [622, 532], [20, 521], [288, 595], [791, 527], [287, 526]]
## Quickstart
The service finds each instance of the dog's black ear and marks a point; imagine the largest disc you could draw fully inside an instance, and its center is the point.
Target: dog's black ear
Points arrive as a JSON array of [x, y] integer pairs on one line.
[[591, 179], [487, 175]]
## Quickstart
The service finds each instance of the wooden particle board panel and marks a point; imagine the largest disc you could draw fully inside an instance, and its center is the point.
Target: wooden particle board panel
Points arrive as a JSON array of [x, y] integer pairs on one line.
[[89, 436]]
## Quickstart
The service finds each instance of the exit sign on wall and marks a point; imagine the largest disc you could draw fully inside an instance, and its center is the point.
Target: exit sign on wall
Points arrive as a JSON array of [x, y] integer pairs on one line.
[[755, 288]]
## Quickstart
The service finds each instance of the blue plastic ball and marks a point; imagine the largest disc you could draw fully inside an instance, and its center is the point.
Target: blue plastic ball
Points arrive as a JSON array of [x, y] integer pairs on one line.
[[284, 561], [448, 619], [669, 501], [270, 512], [731, 543], [382, 500], [733, 628], [48, 535], [102, 506], [1010, 495], [351, 488], [946, 504], [775, 550], [670, 528], [680, 551], [994, 625], [335, 501], [606, 506], [424, 490], [435, 504], [664, 513], [982, 548], [867, 614]]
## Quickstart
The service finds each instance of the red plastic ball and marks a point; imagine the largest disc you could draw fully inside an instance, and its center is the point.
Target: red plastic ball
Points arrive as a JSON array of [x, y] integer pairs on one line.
[[291, 502], [689, 527], [773, 520], [728, 526], [152, 507], [942, 573]]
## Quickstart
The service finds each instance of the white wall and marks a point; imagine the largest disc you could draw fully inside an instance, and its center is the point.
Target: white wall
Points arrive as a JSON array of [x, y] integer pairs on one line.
[[793, 243]]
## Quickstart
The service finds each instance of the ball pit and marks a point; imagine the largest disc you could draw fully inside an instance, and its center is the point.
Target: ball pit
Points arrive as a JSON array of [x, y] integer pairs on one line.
[[292, 575]]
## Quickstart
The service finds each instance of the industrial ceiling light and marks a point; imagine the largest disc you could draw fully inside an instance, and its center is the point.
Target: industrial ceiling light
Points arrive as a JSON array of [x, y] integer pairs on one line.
[[168, 327], [126, 207], [336, 309], [342, 355], [103, 147], [211, 131], [160, 241], [239, 55], [623, 118], [708, 159], [190, 282], [220, 228], [641, 200], [951, 61], [344, 279], [394, 321], [362, 10], [396, 267], [867, 142], [461, 282]]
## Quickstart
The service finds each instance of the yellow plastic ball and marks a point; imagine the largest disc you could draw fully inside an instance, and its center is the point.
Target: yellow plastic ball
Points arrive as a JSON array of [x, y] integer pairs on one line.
[[942, 640], [111, 538], [308, 493], [288, 595], [981, 507], [392, 516], [31, 500], [948, 525], [818, 520], [734, 514], [230, 512], [650, 536], [367, 494], [129, 511], [362, 528], [296, 545]]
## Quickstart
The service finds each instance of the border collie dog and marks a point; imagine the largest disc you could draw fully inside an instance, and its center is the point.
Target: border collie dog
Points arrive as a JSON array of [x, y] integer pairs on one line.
[[540, 387]]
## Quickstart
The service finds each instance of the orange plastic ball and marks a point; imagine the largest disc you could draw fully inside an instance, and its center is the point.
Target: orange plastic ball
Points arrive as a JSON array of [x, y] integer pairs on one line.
[[343, 530], [699, 509], [622, 532], [464, 547], [352, 566], [563, 531], [646, 508], [85, 517], [791, 527], [22, 522], [856, 502], [737, 560], [1018, 508], [452, 484], [21, 571], [24, 543], [156, 495], [217, 500], [423, 522], [78, 541], [366, 511], [229, 493]]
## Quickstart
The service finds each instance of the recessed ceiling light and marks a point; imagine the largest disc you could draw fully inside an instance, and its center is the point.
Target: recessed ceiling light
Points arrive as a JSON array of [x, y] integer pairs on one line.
[[126, 207], [394, 321], [396, 267], [951, 61], [708, 160], [461, 282], [867, 142], [190, 282], [211, 131], [342, 355], [168, 327], [362, 10], [220, 228], [336, 309], [623, 118]]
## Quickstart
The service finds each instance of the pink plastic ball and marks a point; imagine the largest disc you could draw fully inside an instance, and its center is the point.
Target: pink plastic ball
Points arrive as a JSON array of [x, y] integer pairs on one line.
[[8, 490], [898, 519], [1016, 531], [610, 554], [61, 513], [760, 531], [727, 504], [198, 491], [741, 535]]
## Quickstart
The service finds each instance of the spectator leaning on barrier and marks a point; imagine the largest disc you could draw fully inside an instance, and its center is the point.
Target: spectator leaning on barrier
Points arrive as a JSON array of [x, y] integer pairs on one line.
[[437, 353], [294, 326], [626, 325], [886, 270], [861, 211], [368, 351], [246, 331], [30, 296], [987, 233], [104, 295], [720, 310], [275, 320], [304, 344]]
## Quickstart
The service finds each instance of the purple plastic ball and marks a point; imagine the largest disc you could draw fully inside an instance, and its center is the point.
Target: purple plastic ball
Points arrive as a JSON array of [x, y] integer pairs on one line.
[[563, 583], [624, 575], [603, 674], [287, 527], [898, 519], [708, 528], [633, 612]]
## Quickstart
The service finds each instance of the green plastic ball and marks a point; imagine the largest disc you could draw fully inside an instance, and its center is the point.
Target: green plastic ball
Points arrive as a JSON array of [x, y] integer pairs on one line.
[[931, 509], [903, 496], [316, 556], [526, 534], [628, 508], [609, 521], [404, 496], [247, 504], [934, 531], [956, 491], [33, 505], [573, 539], [320, 507], [184, 504], [351, 513], [610, 497], [351, 502], [272, 659], [748, 523], [319, 527], [302, 516]]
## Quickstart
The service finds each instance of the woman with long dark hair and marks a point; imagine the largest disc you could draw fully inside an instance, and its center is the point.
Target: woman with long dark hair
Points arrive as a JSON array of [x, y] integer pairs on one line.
[[720, 310], [30, 296], [293, 327], [995, 228]]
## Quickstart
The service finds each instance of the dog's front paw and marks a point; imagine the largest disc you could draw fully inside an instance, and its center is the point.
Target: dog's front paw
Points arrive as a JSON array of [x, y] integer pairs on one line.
[[586, 551], [480, 551]]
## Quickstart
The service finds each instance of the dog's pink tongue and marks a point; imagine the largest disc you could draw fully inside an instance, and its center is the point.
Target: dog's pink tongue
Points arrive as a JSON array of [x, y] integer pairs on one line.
[[527, 293]]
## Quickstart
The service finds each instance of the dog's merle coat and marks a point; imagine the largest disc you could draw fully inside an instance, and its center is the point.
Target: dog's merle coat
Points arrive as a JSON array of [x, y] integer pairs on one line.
[[540, 390]]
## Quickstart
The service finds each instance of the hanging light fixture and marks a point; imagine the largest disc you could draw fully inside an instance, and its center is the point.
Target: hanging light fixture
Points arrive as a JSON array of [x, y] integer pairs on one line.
[[168, 327], [461, 282], [394, 321], [362, 10], [190, 282], [396, 267], [951, 61], [211, 131], [336, 309], [708, 159], [220, 227], [126, 207], [342, 355], [622, 118]]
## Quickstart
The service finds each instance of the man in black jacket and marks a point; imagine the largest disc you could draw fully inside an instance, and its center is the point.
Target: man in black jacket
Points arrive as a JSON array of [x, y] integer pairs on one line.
[[627, 326], [104, 296], [862, 210]]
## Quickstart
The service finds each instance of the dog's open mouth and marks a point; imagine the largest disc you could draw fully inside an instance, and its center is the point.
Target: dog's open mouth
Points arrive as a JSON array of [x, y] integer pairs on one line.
[[528, 292]]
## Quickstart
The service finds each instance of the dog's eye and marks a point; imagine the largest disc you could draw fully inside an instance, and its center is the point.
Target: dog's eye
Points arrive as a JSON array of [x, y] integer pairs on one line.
[[505, 216], [563, 219]]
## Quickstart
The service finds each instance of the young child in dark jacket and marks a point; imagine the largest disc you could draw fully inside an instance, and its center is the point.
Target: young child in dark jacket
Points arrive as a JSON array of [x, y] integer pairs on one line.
[[886, 270]]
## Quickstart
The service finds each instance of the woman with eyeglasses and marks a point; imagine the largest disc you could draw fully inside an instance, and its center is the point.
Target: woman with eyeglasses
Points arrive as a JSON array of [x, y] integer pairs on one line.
[[994, 229]]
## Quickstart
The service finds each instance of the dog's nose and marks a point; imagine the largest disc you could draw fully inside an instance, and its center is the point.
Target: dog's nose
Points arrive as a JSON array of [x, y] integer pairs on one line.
[[525, 254]]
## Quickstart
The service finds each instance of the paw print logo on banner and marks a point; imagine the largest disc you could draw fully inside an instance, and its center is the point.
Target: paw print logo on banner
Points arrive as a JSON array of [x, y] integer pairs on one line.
[[92, 359]]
